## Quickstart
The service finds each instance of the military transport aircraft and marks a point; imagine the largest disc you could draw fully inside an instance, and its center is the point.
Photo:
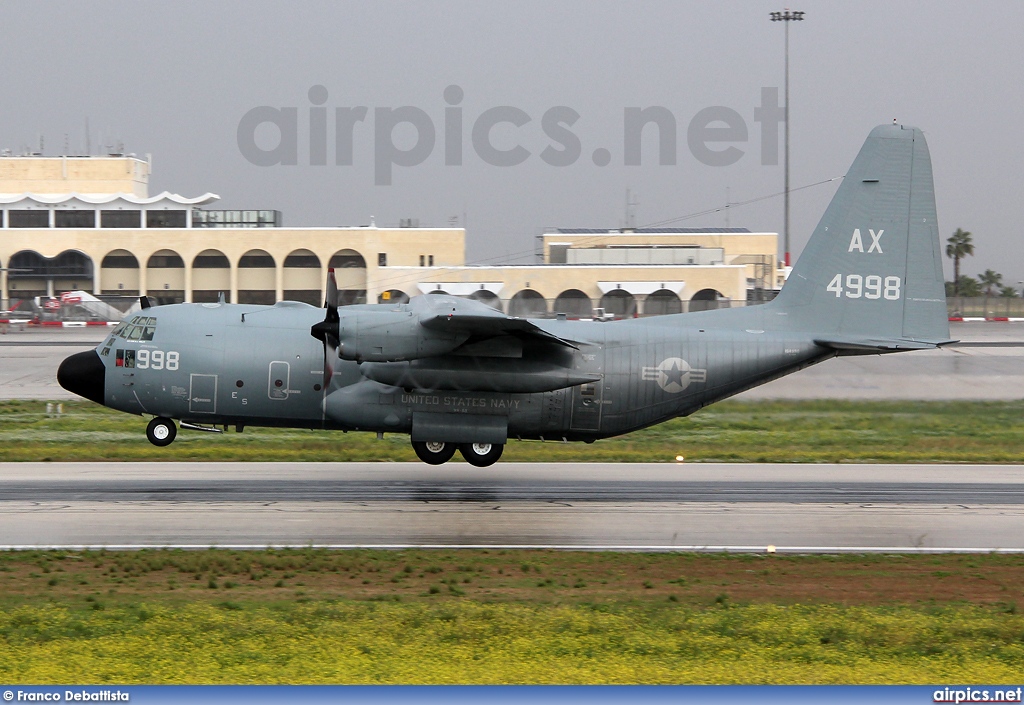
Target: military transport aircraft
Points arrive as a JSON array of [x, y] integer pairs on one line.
[[456, 374]]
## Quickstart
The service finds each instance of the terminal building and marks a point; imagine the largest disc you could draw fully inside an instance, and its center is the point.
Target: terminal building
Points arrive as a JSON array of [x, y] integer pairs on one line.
[[89, 224]]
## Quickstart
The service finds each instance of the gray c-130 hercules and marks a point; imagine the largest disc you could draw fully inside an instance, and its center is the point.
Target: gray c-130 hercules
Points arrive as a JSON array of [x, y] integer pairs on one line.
[[458, 375]]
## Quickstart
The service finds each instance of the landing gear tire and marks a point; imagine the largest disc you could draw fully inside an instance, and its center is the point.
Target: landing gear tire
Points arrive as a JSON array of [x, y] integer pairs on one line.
[[481, 454], [434, 452], [161, 431]]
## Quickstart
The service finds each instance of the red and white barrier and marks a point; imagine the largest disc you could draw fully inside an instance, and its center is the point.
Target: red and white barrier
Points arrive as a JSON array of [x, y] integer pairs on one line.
[[59, 324]]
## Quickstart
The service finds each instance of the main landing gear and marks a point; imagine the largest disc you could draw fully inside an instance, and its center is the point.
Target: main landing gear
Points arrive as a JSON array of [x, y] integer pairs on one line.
[[479, 454], [161, 431], [434, 452]]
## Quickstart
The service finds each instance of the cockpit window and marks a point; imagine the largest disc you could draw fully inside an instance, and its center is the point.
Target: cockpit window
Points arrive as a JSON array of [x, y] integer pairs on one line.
[[139, 328]]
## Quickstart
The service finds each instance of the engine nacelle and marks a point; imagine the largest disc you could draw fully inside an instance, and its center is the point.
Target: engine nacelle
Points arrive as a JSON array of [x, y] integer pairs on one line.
[[391, 336]]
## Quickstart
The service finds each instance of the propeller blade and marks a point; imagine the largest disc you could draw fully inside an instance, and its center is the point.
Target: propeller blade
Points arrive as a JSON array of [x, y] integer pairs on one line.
[[331, 299], [328, 331]]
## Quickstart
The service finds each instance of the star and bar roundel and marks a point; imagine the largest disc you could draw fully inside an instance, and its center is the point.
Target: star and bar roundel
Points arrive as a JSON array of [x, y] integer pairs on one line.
[[674, 374]]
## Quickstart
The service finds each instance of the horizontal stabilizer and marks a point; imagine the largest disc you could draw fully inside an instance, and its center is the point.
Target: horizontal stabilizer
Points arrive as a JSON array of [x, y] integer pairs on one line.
[[868, 345]]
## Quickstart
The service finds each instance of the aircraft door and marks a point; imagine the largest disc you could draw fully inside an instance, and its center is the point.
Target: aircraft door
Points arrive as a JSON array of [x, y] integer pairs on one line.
[[277, 383], [202, 394], [588, 399]]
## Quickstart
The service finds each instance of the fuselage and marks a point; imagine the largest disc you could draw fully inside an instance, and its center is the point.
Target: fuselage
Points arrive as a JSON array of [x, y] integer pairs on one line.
[[224, 364], [454, 373]]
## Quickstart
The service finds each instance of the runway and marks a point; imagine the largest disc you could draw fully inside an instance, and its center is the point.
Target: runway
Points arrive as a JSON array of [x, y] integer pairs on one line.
[[624, 506]]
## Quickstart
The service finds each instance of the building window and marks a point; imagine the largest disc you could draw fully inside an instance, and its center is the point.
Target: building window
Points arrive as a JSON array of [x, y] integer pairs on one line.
[[120, 262], [165, 219], [256, 261], [120, 219], [423, 260], [382, 259], [431, 260], [28, 219], [171, 261], [211, 261], [235, 219], [74, 219]]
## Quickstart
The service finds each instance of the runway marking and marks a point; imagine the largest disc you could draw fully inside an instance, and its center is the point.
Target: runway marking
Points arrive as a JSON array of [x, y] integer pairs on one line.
[[508, 547]]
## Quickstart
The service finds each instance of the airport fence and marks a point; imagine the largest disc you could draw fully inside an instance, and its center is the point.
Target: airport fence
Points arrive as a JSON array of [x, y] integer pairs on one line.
[[985, 306]]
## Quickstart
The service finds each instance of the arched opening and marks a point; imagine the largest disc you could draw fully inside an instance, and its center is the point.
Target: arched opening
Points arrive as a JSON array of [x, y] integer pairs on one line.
[[487, 297], [662, 302], [257, 278], [393, 296], [619, 303], [528, 304], [350, 273], [119, 274], [27, 277], [211, 277], [165, 277], [302, 276], [574, 304], [441, 292], [708, 299], [31, 275]]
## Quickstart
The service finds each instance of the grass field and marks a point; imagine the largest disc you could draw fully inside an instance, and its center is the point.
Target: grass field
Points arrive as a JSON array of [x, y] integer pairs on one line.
[[522, 617], [507, 617], [775, 431]]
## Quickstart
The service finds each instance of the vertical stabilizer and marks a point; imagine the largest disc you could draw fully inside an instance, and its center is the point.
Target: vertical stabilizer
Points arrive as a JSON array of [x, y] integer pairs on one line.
[[873, 267]]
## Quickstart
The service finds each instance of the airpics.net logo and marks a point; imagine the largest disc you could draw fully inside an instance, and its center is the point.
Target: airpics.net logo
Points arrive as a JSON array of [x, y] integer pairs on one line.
[[407, 136]]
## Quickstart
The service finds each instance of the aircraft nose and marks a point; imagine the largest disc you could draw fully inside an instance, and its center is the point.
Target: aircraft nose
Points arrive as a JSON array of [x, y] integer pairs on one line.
[[83, 374]]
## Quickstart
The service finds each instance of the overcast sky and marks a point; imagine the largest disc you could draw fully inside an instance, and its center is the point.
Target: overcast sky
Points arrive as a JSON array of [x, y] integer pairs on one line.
[[175, 79]]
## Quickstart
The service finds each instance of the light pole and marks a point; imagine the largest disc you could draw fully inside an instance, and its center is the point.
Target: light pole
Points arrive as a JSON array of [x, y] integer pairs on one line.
[[787, 17]]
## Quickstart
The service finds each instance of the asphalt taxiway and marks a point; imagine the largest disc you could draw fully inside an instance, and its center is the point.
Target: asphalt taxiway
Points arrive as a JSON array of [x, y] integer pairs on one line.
[[626, 506]]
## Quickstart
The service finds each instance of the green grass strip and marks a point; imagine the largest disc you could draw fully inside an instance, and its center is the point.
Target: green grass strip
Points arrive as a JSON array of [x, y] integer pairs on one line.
[[733, 431]]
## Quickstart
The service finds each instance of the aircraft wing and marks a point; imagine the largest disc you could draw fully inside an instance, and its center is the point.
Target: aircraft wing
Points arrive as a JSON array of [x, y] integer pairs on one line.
[[480, 320]]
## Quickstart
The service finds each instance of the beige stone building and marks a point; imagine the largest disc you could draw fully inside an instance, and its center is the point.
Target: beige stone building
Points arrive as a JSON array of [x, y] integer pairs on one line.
[[88, 223]]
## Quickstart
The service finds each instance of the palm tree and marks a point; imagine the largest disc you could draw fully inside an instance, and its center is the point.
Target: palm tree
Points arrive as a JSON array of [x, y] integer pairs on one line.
[[990, 280], [959, 246]]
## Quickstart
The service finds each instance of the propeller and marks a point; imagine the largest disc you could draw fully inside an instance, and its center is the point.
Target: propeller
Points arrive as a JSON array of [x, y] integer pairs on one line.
[[328, 331]]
